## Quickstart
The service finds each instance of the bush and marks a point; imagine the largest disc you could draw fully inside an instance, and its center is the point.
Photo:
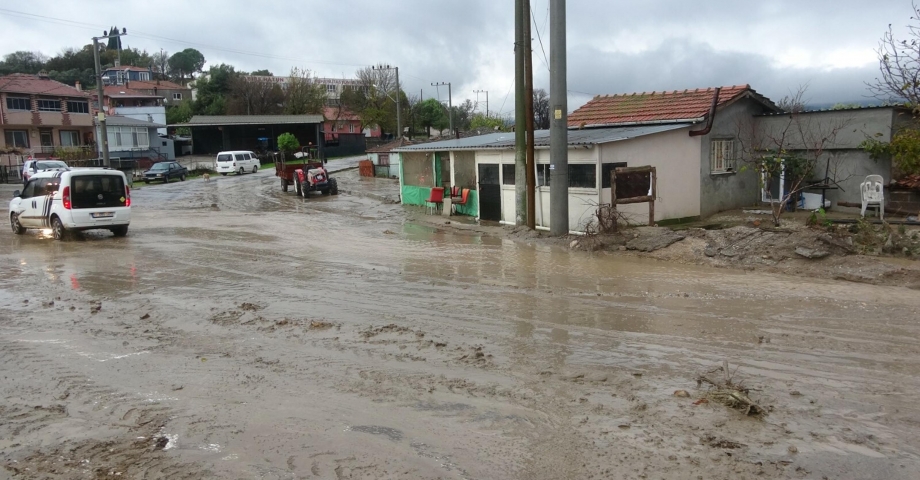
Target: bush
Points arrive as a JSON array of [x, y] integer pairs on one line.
[[288, 143]]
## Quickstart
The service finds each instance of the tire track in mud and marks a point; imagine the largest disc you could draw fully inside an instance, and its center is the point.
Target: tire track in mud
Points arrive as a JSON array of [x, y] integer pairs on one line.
[[118, 432]]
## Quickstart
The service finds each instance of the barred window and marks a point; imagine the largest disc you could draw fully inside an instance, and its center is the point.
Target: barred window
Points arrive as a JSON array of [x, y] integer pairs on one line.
[[722, 156]]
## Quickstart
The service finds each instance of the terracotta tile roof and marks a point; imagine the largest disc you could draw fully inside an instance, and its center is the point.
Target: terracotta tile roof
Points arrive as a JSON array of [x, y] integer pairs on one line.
[[33, 85], [637, 108], [163, 85]]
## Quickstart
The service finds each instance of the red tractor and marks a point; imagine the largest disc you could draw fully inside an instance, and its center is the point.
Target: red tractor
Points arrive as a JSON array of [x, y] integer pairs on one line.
[[305, 176]]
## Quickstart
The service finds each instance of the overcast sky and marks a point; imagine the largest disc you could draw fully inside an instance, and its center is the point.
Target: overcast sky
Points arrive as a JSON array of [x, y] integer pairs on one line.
[[613, 46]]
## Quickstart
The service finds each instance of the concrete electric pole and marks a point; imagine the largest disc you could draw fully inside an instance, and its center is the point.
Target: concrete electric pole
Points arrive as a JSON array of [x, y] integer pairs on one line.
[[559, 135], [520, 138], [399, 130], [528, 113], [100, 91], [477, 92], [450, 105]]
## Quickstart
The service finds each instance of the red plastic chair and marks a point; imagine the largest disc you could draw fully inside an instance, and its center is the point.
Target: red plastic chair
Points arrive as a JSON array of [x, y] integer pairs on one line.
[[464, 197], [435, 200]]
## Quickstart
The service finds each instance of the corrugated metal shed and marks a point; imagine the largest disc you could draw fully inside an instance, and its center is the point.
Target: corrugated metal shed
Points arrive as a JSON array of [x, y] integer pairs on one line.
[[577, 138], [220, 120]]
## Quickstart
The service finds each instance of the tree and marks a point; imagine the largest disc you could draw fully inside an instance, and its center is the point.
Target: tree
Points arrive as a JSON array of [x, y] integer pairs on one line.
[[374, 98], [159, 63], [431, 114], [540, 109], [180, 113], [304, 95], [492, 122], [135, 57], [214, 90], [114, 42], [262, 73], [22, 62], [288, 143], [899, 82], [899, 66], [251, 95], [462, 115], [791, 148], [185, 64]]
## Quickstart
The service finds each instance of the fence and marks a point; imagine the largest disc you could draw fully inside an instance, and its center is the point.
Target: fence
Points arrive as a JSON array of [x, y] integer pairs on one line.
[[366, 168]]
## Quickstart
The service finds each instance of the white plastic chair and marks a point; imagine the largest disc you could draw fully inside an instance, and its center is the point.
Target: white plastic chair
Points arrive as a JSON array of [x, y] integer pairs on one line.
[[873, 194]]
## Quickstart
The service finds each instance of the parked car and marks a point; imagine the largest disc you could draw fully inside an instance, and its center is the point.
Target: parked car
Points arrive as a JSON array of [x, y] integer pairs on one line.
[[164, 171], [31, 167], [64, 201], [238, 162]]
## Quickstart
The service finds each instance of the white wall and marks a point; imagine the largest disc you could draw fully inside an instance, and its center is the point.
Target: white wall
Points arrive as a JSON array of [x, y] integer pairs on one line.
[[147, 114], [676, 156]]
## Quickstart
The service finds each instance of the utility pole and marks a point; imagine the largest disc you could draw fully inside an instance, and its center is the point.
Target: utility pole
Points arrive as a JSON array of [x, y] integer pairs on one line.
[[528, 111], [100, 92], [399, 130], [520, 114], [450, 105], [559, 134], [477, 92]]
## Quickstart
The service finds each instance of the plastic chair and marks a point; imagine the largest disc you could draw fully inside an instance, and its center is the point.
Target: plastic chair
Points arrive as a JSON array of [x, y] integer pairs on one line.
[[873, 194], [464, 197], [454, 191], [435, 200]]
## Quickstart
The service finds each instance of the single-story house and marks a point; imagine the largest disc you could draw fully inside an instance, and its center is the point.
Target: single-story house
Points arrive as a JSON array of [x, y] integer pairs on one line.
[[216, 133], [385, 159], [696, 139], [133, 139]]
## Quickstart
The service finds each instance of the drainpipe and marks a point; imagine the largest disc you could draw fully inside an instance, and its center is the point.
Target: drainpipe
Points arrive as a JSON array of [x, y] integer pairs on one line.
[[711, 118]]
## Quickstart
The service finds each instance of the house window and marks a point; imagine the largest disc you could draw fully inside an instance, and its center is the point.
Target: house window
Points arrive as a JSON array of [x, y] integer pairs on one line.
[[129, 138], [508, 177], [77, 106], [70, 138], [605, 172], [330, 87], [543, 174], [17, 138], [22, 104], [722, 156], [144, 76], [333, 127], [177, 96], [49, 105], [583, 175], [351, 128]]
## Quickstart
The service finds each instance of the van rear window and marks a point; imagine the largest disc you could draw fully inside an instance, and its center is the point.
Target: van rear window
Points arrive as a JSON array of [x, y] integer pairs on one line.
[[97, 191], [225, 158]]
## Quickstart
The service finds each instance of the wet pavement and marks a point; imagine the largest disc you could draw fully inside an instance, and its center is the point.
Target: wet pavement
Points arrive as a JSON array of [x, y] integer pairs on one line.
[[242, 332]]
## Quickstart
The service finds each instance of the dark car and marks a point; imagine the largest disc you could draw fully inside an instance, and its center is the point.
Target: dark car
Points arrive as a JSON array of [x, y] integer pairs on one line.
[[165, 171]]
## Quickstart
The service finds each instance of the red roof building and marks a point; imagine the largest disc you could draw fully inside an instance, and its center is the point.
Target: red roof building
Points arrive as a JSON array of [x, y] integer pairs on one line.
[[40, 116], [657, 107]]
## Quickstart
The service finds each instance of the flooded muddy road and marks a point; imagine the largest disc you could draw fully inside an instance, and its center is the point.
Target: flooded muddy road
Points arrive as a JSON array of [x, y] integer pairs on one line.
[[240, 332]]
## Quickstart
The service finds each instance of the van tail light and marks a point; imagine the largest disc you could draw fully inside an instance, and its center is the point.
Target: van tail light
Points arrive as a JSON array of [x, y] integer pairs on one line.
[[65, 197], [127, 196]]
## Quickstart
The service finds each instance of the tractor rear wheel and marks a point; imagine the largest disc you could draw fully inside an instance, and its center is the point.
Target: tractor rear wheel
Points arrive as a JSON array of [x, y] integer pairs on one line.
[[284, 185]]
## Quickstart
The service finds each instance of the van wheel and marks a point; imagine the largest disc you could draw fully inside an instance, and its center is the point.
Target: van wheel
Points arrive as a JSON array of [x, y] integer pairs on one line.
[[57, 229], [255, 169], [17, 227], [241, 171], [120, 231]]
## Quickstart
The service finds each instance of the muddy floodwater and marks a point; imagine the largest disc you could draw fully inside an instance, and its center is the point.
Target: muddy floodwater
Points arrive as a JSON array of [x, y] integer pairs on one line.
[[240, 332]]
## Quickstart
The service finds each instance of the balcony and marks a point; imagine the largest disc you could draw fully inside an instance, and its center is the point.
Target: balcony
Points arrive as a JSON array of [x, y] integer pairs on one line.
[[82, 152]]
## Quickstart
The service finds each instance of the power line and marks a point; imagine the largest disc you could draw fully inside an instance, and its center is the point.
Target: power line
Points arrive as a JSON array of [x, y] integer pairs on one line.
[[540, 37]]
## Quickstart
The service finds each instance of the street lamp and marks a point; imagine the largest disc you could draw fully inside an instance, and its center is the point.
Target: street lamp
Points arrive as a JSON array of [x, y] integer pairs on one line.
[[450, 105], [103, 131], [398, 116]]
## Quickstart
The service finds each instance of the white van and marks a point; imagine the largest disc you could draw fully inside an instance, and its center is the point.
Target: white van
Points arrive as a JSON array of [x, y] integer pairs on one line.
[[64, 201], [239, 162]]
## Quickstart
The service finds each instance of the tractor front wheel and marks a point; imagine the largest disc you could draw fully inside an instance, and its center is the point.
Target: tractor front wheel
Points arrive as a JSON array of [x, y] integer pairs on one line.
[[334, 186]]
